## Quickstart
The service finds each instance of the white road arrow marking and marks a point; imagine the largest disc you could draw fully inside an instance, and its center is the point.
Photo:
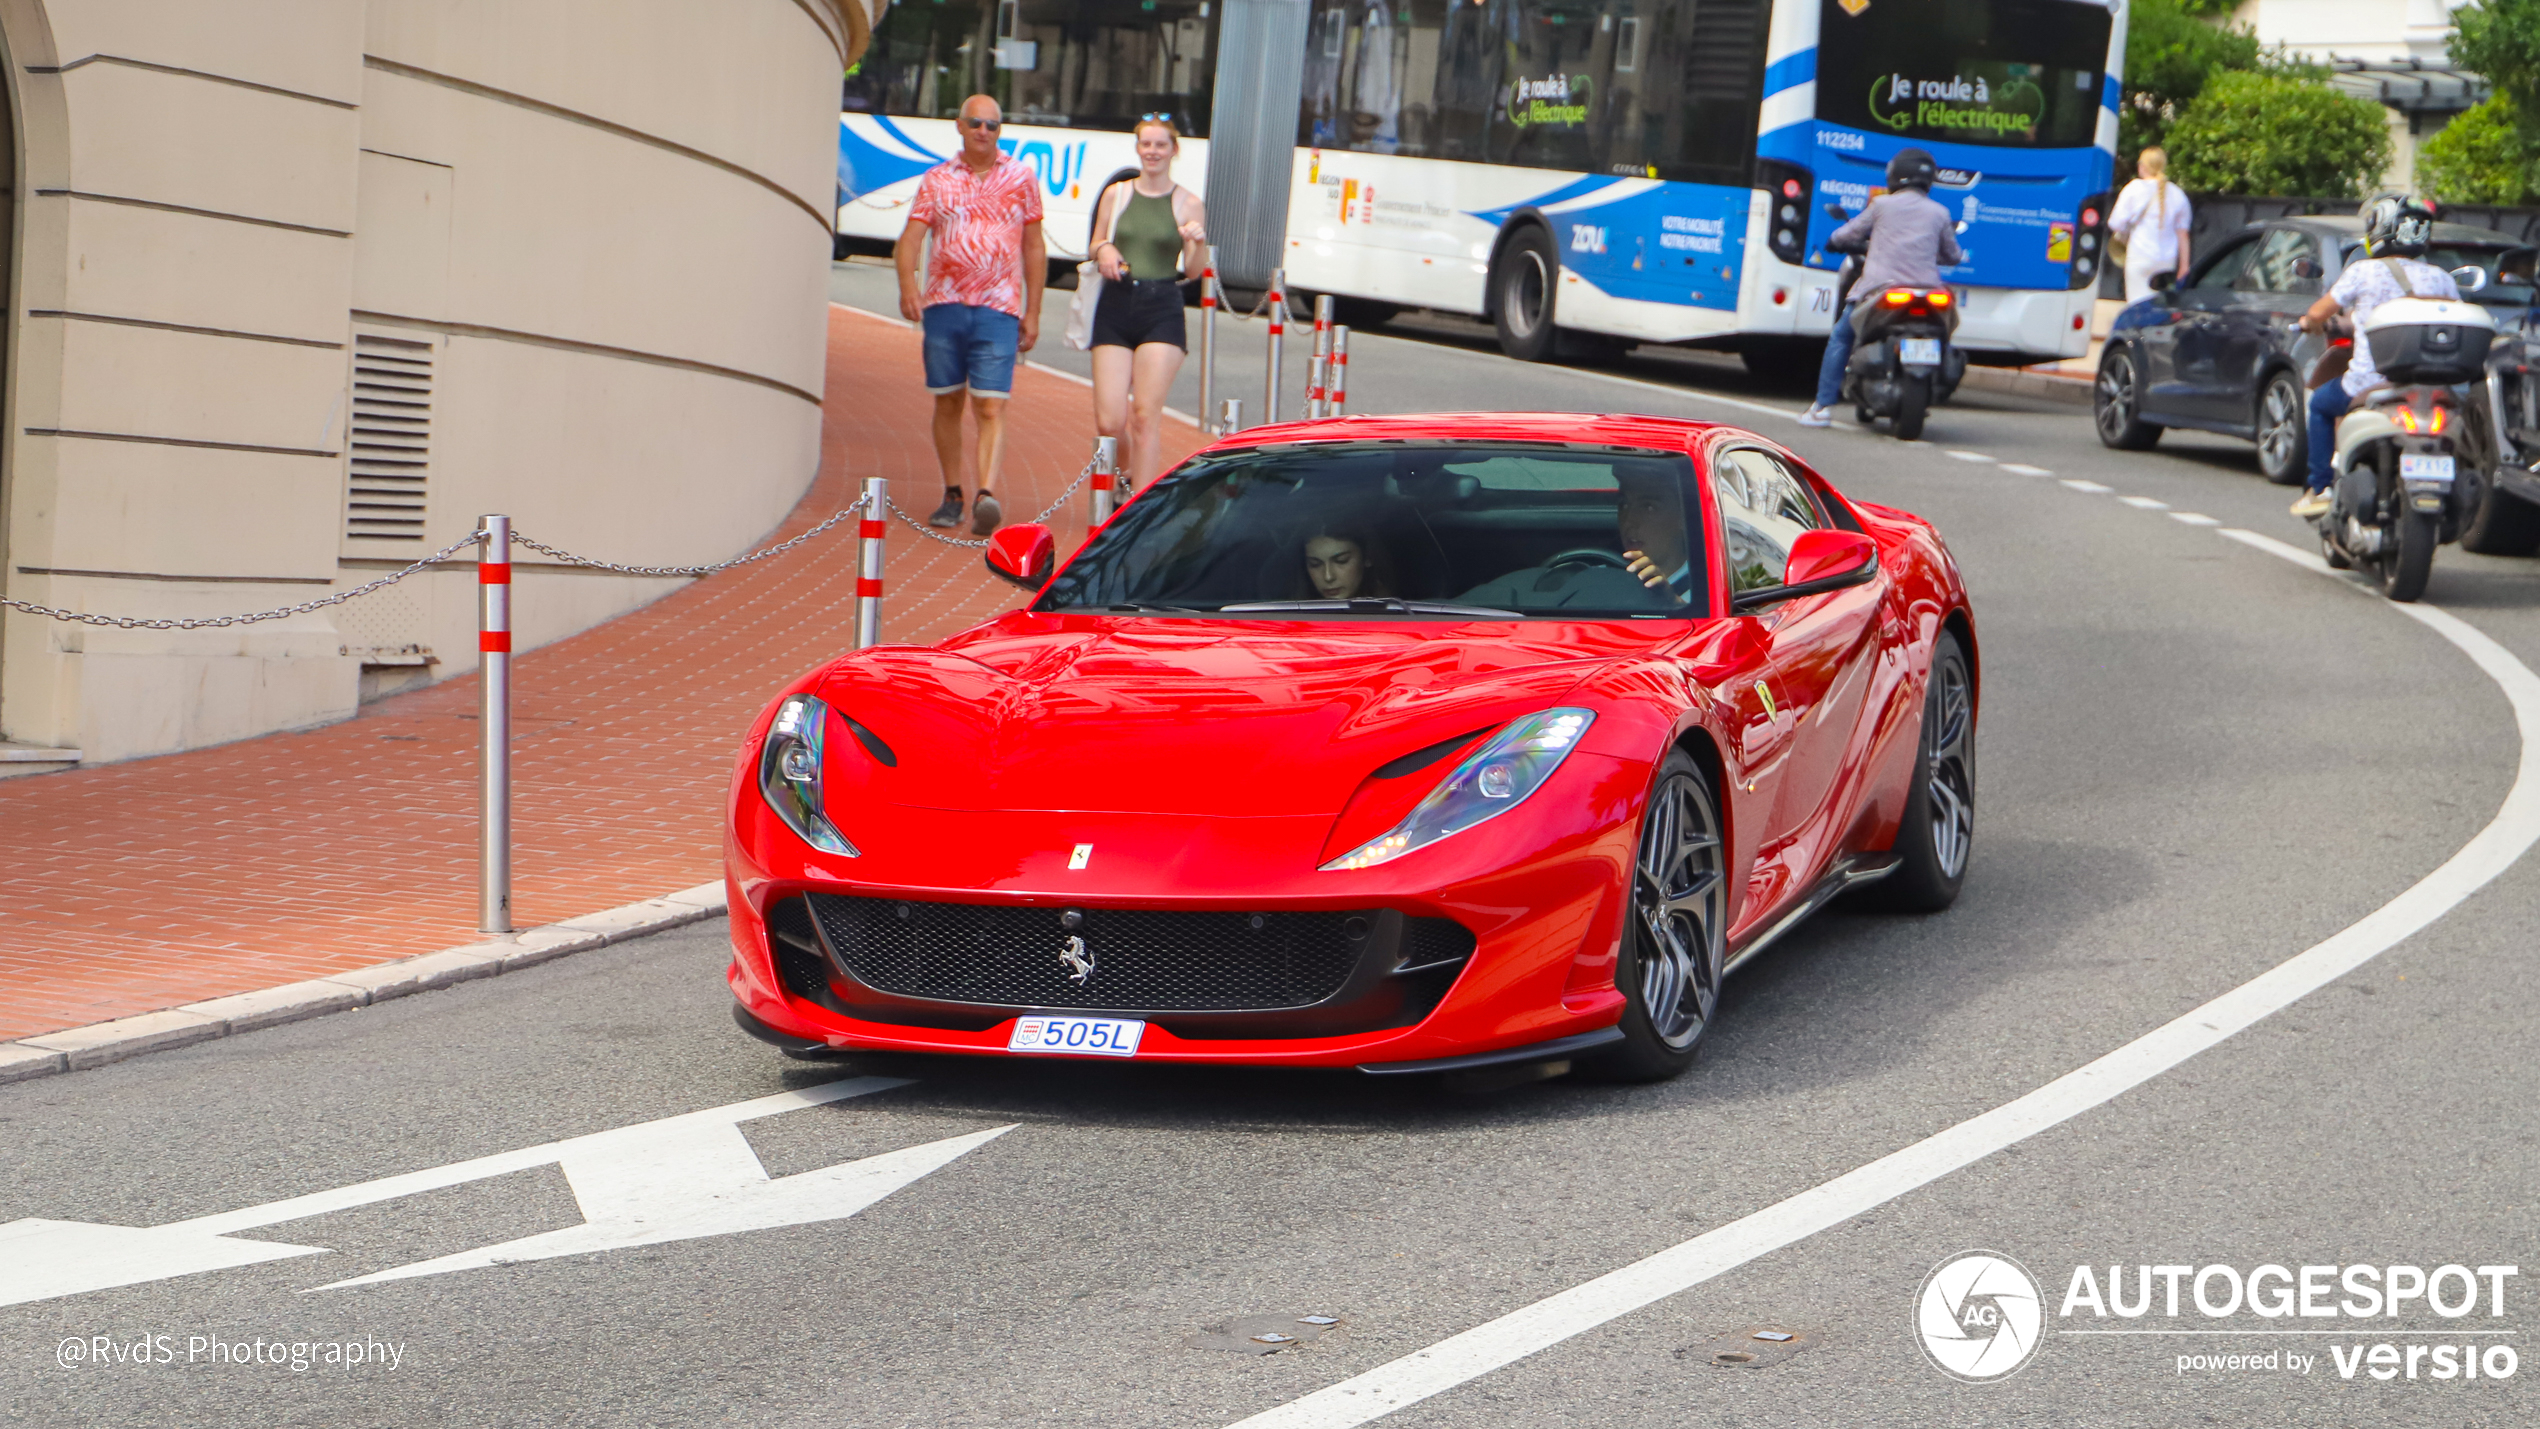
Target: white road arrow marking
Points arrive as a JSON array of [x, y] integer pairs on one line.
[[46, 1259], [696, 1182], [677, 1178]]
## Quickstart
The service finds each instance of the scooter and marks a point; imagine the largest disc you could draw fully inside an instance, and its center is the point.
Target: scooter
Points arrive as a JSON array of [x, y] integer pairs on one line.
[[2414, 455], [1904, 362]]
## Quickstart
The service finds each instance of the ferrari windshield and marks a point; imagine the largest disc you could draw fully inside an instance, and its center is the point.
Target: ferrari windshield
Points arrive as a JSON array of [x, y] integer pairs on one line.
[[1404, 530]]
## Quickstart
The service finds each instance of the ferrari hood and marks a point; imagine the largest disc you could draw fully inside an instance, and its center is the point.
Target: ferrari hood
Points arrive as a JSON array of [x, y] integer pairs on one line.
[[1188, 718]]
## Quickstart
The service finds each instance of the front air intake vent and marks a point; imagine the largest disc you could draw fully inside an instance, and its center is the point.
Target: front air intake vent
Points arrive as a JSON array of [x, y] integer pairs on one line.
[[387, 476]]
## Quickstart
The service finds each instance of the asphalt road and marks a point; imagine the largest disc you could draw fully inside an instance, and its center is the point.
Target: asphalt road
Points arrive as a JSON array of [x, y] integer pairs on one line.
[[2197, 760]]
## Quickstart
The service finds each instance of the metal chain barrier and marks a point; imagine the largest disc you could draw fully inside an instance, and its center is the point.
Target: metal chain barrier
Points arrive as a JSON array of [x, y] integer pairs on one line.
[[933, 535], [212, 622], [779, 548]]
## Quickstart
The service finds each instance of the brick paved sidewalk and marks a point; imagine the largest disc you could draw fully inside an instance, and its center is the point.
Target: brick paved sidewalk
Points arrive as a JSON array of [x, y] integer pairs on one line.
[[131, 887]]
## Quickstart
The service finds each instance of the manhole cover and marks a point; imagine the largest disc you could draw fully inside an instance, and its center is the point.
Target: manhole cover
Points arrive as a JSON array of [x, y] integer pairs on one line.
[[1264, 1334], [1753, 1347]]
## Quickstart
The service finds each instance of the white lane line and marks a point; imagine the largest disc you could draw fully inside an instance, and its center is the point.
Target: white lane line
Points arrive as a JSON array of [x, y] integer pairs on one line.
[[2194, 518], [1971, 456], [1548, 1322], [2020, 468], [2092, 487], [2144, 503]]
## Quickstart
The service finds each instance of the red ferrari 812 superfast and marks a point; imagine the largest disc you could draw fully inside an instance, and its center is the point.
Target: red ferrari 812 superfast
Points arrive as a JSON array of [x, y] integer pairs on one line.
[[1411, 744]]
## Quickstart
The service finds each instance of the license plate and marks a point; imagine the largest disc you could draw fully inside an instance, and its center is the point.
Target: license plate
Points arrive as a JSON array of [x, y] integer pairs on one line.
[[1922, 351], [1083, 1036], [2424, 468]]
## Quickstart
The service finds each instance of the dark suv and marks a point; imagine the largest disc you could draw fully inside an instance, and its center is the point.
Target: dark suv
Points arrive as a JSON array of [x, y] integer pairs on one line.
[[2221, 352]]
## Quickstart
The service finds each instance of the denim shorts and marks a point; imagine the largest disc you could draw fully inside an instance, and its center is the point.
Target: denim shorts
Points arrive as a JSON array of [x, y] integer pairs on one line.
[[970, 347]]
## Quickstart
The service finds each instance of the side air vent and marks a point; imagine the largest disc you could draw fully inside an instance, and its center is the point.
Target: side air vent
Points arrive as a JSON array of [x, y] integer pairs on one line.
[[388, 474]]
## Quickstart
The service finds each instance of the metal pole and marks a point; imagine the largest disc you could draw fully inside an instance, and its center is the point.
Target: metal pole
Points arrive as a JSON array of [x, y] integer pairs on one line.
[[1336, 400], [868, 585], [494, 724], [1278, 332], [1318, 372], [1106, 463], [1208, 336], [1230, 416]]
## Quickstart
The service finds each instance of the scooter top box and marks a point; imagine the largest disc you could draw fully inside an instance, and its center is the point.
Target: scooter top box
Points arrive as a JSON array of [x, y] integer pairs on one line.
[[2430, 341]]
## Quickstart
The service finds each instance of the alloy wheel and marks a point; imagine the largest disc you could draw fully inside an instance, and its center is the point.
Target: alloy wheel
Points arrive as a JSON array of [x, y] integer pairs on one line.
[[1677, 905], [1951, 787], [2280, 420], [2116, 399]]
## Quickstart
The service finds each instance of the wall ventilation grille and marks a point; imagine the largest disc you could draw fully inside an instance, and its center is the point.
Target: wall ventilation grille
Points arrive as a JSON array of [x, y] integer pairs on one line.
[[387, 478]]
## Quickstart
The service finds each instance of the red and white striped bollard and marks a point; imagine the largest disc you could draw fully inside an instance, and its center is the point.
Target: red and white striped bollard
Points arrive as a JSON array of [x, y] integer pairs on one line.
[[868, 585]]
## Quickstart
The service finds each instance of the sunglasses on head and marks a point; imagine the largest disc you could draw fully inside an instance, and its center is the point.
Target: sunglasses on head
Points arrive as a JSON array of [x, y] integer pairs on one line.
[[991, 125]]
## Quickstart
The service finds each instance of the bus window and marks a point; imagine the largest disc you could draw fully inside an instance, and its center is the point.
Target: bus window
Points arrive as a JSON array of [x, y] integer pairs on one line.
[[1665, 88], [1058, 62], [2023, 73]]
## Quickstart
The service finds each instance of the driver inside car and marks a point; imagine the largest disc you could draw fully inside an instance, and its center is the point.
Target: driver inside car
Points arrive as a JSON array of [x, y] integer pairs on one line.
[[1654, 571]]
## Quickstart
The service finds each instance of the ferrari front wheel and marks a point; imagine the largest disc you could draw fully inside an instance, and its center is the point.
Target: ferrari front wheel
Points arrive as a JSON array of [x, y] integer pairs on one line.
[[1674, 929]]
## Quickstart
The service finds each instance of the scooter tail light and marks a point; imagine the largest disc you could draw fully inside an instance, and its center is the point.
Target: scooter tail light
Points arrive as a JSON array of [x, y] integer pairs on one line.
[[2437, 425], [1939, 298], [1896, 297]]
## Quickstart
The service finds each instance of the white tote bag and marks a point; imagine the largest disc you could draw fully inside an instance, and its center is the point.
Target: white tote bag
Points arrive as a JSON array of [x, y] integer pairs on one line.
[[1080, 313]]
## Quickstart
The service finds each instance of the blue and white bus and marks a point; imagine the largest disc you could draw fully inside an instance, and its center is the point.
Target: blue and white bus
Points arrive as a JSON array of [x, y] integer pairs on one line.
[[1643, 170]]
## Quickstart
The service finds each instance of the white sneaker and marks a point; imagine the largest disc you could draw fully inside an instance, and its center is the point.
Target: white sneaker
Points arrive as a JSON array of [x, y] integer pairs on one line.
[[2312, 504], [1817, 417]]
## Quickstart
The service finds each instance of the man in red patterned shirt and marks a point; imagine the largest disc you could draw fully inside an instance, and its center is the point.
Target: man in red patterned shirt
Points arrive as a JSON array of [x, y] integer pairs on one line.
[[981, 305]]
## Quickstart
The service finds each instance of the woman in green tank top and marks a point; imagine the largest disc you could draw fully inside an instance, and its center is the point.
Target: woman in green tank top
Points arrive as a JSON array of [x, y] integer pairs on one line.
[[1151, 235]]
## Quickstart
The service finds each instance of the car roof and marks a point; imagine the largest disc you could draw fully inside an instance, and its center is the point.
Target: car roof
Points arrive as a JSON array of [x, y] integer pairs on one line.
[[2348, 227], [1593, 429]]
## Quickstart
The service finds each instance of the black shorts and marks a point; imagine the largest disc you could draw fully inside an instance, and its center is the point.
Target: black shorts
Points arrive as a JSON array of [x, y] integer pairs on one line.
[[1141, 311]]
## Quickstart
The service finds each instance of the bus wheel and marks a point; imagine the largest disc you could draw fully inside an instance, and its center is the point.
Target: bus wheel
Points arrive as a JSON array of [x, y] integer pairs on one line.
[[1522, 292]]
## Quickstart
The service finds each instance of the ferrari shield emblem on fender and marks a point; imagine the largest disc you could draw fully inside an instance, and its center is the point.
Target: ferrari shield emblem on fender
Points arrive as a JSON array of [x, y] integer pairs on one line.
[[1079, 961], [1080, 857], [1853, 7]]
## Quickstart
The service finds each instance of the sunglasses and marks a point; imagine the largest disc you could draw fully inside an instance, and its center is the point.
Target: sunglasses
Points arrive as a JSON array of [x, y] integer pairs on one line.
[[1154, 118], [991, 125]]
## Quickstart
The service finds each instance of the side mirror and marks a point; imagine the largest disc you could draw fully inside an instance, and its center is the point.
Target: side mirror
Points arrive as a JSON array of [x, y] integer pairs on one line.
[[2163, 281], [2307, 269], [1820, 561], [2470, 277], [1023, 555]]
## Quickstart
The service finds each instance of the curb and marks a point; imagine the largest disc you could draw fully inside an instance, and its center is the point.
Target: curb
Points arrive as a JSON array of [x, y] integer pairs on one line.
[[2023, 382], [79, 1048]]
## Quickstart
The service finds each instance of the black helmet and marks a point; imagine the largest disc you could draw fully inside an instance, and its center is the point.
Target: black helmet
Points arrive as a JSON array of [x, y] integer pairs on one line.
[[2396, 226], [1912, 169]]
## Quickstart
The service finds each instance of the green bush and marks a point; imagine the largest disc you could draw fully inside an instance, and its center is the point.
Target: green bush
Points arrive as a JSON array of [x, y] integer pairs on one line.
[[2169, 54], [2501, 40], [2480, 157], [2278, 134]]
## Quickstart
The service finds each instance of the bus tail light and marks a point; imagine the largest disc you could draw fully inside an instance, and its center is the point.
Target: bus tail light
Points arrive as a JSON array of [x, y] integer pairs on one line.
[[1788, 211], [2089, 240]]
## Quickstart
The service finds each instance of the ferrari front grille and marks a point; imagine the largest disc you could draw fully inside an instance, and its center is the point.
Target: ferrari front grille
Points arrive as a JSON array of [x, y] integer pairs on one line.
[[1111, 958]]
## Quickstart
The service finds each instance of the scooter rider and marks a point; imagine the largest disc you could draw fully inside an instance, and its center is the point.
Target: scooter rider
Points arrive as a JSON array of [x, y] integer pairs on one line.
[[1909, 238], [2396, 231]]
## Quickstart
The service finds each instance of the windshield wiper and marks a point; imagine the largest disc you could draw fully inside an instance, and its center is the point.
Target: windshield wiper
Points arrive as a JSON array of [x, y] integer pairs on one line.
[[1138, 608], [1366, 605]]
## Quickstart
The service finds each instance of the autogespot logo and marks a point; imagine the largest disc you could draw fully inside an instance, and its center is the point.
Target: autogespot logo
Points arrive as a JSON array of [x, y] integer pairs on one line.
[[1979, 1316]]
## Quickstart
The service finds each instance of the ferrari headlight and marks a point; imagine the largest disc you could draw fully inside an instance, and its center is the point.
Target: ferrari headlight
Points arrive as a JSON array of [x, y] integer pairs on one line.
[[1495, 779], [789, 773]]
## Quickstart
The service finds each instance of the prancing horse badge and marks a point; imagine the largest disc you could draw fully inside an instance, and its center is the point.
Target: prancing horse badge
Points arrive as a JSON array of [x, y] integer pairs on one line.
[[1079, 960]]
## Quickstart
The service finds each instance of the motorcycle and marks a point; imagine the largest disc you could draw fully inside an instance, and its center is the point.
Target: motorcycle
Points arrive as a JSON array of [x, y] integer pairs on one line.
[[1904, 362], [2413, 456]]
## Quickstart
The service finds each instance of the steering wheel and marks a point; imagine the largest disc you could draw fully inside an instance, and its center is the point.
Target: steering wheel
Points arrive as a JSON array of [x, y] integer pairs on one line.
[[1588, 556]]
